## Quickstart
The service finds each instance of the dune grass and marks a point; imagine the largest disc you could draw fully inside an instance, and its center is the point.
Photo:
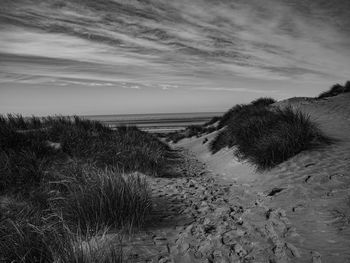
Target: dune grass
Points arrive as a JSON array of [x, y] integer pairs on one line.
[[267, 136], [223, 139], [90, 182], [212, 121], [199, 130], [90, 198], [227, 117], [25, 153], [264, 101], [335, 90], [28, 234]]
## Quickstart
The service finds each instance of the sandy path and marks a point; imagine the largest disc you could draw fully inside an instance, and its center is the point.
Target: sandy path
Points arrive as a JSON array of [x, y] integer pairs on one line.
[[202, 218]]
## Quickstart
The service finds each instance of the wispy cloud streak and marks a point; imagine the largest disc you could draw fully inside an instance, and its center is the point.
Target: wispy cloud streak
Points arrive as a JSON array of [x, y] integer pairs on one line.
[[174, 45]]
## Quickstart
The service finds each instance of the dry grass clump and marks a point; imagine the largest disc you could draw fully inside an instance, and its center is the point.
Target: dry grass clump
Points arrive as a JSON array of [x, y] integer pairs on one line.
[[66, 179], [28, 234], [267, 137], [91, 198], [264, 101], [26, 153], [227, 117], [212, 121], [223, 139], [208, 127], [335, 90]]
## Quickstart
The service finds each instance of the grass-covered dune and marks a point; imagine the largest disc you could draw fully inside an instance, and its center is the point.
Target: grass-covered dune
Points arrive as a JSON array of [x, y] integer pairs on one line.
[[212, 125], [65, 181], [265, 135], [335, 90]]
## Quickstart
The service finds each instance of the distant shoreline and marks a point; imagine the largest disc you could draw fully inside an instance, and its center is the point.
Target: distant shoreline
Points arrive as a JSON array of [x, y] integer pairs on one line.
[[156, 122]]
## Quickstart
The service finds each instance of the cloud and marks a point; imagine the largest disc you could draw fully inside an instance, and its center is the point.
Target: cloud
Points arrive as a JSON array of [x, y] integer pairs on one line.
[[165, 45], [168, 86], [83, 83], [130, 86], [255, 39], [235, 90]]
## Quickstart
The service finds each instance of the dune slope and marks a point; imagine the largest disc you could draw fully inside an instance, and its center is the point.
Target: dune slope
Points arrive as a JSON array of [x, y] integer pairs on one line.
[[305, 201]]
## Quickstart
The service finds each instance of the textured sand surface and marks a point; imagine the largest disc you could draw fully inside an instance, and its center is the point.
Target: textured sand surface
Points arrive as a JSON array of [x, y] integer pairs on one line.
[[216, 209], [312, 189]]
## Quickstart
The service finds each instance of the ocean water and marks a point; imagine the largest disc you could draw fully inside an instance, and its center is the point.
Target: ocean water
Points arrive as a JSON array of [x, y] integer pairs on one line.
[[159, 122]]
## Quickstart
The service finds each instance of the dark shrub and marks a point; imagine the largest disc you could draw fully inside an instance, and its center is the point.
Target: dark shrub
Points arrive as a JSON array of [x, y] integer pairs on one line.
[[57, 196], [276, 137], [28, 235], [267, 137], [25, 154], [263, 101], [20, 169], [335, 90], [91, 198], [210, 129], [31, 235], [222, 140], [212, 121], [194, 130], [347, 86], [227, 117]]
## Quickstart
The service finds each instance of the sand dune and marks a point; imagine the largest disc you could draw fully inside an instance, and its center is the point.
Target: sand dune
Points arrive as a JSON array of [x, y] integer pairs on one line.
[[316, 184], [213, 208], [312, 189]]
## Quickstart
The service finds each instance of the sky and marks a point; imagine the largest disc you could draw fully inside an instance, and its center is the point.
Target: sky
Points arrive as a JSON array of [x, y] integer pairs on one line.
[[161, 56]]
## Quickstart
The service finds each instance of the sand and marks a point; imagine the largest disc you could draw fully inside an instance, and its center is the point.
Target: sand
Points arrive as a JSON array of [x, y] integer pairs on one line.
[[314, 185], [219, 209]]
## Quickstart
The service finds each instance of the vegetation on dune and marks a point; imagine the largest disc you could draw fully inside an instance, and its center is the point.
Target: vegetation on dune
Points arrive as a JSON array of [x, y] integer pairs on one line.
[[90, 197], [29, 234], [190, 131], [267, 136], [264, 101], [223, 139], [65, 182], [67, 179], [262, 134], [227, 117], [209, 127], [212, 121], [26, 153], [26, 235], [335, 90], [193, 130]]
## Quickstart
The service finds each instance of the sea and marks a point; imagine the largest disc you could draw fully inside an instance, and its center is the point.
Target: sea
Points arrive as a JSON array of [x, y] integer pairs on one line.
[[156, 123]]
